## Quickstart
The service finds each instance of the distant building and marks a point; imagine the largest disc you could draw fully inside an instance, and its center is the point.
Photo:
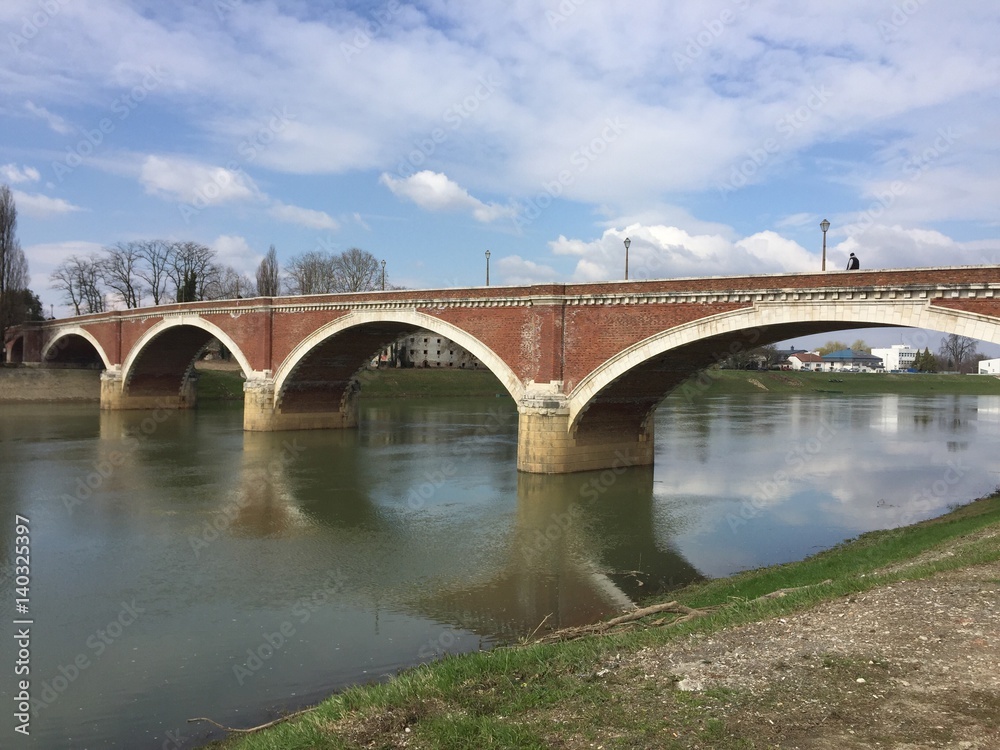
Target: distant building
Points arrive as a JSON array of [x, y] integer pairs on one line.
[[989, 367], [429, 349], [781, 357], [849, 359], [897, 356], [806, 361]]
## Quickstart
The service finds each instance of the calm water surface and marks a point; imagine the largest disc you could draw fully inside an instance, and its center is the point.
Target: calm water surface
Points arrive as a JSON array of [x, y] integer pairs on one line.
[[183, 568]]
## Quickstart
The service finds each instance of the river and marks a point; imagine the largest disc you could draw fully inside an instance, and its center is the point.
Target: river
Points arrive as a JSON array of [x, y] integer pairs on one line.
[[183, 568]]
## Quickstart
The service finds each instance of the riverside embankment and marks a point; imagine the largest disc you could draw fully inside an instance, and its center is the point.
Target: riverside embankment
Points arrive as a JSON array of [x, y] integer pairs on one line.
[[890, 640], [40, 385], [222, 381]]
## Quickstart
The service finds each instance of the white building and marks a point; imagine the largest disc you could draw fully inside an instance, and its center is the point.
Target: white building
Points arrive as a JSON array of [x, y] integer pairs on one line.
[[989, 367], [807, 361], [897, 356], [429, 349]]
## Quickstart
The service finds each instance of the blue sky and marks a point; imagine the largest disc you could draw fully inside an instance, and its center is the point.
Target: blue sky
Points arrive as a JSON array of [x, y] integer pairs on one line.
[[716, 135]]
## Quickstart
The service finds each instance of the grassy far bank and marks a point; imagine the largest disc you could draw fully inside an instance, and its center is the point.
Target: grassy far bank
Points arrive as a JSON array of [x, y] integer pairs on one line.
[[724, 382], [227, 385], [553, 695]]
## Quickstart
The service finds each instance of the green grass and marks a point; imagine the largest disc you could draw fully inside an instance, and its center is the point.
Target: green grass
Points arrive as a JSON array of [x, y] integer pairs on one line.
[[227, 385], [526, 696], [723, 382], [406, 382], [220, 385]]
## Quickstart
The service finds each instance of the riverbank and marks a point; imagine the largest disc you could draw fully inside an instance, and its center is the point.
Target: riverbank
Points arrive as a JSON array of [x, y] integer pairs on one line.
[[728, 382], [891, 640], [40, 385], [223, 381]]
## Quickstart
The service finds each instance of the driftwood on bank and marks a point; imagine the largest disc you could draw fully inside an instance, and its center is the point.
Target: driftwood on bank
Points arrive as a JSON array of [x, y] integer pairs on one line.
[[259, 726], [632, 618], [628, 619], [785, 592]]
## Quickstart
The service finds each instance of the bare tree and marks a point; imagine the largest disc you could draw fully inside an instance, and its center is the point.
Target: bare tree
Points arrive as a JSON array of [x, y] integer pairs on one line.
[[191, 269], [356, 270], [154, 269], [119, 270], [80, 281], [269, 275], [13, 266], [225, 282], [312, 273], [958, 352]]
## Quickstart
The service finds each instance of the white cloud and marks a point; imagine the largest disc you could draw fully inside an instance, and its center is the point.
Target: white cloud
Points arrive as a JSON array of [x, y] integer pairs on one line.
[[198, 184], [14, 174], [660, 251], [776, 253], [515, 270], [305, 217], [884, 246], [41, 206], [434, 191], [54, 121], [235, 251]]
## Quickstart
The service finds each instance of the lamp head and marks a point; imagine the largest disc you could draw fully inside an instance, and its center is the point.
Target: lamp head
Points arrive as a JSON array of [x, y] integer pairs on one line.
[[824, 225], [627, 242]]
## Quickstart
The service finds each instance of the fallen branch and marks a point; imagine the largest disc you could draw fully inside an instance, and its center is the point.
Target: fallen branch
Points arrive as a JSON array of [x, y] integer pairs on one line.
[[544, 620], [257, 728], [631, 618], [784, 592], [628, 619]]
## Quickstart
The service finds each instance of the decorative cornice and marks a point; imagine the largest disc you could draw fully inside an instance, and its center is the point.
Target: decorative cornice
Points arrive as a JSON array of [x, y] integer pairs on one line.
[[838, 293]]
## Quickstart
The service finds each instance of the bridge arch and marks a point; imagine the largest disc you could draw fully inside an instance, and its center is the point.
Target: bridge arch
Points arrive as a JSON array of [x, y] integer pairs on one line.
[[392, 324], [66, 339], [702, 342], [14, 349], [180, 339]]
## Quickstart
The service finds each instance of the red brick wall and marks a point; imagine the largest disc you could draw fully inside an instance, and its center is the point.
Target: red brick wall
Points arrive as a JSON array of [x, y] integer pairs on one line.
[[989, 307], [595, 334], [538, 336]]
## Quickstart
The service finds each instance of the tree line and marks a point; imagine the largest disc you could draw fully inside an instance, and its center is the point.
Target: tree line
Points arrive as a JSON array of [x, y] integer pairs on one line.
[[17, 303], [130, 273]]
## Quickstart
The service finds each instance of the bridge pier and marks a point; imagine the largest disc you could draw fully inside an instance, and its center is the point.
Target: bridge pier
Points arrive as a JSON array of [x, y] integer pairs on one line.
[[547, 445], [114, 397], [262, 414]]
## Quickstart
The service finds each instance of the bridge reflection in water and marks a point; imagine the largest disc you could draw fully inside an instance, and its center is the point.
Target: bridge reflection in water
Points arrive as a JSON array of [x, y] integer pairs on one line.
[[566, 549]]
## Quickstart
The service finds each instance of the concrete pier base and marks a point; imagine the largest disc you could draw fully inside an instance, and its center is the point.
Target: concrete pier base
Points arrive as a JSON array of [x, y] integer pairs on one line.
[[261, 414], [546, 445], [114, 396]]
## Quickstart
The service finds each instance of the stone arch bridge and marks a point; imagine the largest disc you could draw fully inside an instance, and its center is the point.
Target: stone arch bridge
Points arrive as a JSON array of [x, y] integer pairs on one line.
[[587, 364]]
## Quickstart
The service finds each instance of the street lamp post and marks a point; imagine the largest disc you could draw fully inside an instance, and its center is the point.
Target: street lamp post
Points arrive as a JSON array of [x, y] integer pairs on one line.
[[627, 243], [383, 275], [487, 268], [824, 225]]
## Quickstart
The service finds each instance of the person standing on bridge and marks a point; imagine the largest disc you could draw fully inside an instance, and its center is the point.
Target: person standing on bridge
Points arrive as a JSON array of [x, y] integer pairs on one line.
[[853, 264]]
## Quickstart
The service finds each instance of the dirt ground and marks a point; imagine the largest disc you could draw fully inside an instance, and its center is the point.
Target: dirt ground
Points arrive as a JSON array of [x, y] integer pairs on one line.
[[909, 665]]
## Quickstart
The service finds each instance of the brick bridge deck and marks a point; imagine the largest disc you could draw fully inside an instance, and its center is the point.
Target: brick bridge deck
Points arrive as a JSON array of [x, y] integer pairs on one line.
[[586, 363]]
